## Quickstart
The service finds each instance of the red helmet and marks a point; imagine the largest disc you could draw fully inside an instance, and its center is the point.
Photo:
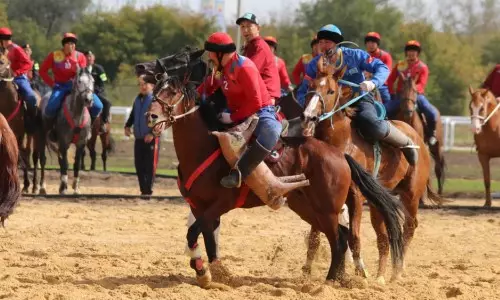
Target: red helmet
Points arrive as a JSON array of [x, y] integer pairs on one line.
[[5, 33], [69, 37], [271, 41], [413, 45], [220, 42], [372, 37]]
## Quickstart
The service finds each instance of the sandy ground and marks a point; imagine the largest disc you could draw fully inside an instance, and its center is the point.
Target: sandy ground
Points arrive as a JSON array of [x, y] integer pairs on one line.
[[135, 250]]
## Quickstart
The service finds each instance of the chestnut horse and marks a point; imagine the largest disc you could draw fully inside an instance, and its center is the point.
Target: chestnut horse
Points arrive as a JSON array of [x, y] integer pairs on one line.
[[333, 178], [406, 113], [10, 189], [485, 120], [12, 107], [393, 171]]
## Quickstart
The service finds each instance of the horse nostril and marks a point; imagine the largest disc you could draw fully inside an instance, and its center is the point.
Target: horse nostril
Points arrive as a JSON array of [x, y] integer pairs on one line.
[[302, 117], [154, 117], [314, 119]]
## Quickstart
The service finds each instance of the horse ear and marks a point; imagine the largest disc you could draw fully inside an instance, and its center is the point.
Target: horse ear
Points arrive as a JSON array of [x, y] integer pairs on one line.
[[471, 89], [484, 92]]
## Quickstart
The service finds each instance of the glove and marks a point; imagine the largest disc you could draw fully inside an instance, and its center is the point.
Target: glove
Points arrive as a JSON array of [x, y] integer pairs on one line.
[[225, 118], [290, 88], [367, 86]]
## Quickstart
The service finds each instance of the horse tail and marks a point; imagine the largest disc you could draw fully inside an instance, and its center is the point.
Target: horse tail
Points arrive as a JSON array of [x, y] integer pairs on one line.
[[434, 197], [10, 188], [111, 146], [391, 209]]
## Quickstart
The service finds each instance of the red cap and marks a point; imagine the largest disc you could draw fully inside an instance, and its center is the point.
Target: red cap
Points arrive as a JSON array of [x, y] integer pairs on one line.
[[373, 34], [220, 42], [5, 31], [271, 39], [413, 43]]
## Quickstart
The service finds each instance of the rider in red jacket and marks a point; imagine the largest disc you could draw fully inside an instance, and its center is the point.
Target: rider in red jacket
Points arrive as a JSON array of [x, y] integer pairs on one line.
[[372, 42], [492, 82], [246, 94], [300, 68], [286, 85]]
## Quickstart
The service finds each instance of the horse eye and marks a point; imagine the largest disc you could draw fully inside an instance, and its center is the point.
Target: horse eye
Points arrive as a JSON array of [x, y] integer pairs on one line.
[[330, 92]]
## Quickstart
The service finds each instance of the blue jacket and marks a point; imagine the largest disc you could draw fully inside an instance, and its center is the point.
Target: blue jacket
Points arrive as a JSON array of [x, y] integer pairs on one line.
[[357, 61], [138, 118]]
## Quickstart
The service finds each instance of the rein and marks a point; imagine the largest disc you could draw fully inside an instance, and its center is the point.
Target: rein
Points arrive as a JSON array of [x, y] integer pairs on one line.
[[328, 115], [485, 120]]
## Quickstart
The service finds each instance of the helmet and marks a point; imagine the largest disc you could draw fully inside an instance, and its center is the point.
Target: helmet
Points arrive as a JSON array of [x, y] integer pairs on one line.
[[69, 37], [373, 37], [271, 41], [314, 40], [5, 33], [330, 32], [220, 42], [247, 17], [413, 45]]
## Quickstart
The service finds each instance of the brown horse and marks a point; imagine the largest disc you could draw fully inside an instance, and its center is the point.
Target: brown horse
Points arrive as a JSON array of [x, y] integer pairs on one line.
[[394, 172], [107, 142], [406, 113], [10, 189], [333, 177], [12, 107], [485, 119]]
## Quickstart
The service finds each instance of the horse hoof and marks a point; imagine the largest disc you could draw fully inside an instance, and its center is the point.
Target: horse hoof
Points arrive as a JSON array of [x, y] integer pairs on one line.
[[306, 270], [380, 280], [35, 190], [362, 272], [396, 277], [25, 190], [219, 272], [205, 279], [43, 191], [76, 192]]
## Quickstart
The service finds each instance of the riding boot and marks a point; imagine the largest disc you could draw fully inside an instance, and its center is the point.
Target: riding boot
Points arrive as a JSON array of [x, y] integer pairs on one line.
[[398, 139], [249, 160]]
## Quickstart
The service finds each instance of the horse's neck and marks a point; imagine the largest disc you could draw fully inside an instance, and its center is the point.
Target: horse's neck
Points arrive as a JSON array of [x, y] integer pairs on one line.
[[494, 121], [75, 107], [11, 96], [192, 142], [338, 133]]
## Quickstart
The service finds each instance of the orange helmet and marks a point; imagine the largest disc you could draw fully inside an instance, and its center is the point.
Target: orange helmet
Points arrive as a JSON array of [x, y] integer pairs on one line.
[[373, 37], [69, 37], [413, 45], [271, 41]]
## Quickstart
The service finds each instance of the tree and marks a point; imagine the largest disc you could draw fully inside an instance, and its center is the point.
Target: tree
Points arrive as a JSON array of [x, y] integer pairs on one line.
[[3, 14]]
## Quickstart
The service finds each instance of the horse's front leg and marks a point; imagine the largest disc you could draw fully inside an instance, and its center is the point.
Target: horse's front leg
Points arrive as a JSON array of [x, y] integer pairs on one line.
[[63, 165], [76, 168], [196, 263], [43, 161], [36, 156]]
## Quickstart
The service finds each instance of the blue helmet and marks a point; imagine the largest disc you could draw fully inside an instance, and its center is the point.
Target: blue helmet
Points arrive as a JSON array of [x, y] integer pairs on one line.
[[330, 32]]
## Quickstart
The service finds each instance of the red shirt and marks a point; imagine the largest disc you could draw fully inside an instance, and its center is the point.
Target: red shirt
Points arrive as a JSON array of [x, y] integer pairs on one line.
[[242, 85], [417, 70], [384, 56], [284, 79], [263, 58], [492, 82], [63, 66], [19, 60], [300, 68]]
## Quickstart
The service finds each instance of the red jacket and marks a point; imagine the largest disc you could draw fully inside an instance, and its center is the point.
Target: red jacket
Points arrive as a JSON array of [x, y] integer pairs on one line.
[[63, 66], [300, 68], [284, 79], [243, 87], [415, 69], [19, 61], [492, 82], [384, 56], [263, 58]]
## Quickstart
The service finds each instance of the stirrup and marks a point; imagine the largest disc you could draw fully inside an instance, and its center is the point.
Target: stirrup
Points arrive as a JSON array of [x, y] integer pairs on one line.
[[225, 181]]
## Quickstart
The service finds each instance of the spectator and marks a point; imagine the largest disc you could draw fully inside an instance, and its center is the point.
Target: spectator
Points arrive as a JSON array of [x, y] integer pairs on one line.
[[146, 146]]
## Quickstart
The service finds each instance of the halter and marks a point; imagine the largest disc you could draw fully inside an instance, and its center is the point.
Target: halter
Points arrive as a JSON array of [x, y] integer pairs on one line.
[[487, 118]]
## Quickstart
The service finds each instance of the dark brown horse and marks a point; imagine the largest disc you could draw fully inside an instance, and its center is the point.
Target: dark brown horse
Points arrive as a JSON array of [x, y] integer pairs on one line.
[[408, 112], [394, 172], [10, 189], [485, 119], [107, 142], [333, 178], [12, 107]]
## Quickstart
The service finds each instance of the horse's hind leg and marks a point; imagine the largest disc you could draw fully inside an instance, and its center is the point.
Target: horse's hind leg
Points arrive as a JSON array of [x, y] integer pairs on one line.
[[337, 237], [382, 243], [36, 185], [76, 169], [313, 241], [410, 202], [43, 161], [355, 208], [104, 154]]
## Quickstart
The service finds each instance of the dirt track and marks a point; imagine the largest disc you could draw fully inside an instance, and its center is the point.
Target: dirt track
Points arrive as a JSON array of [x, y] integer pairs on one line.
[[135, 250]]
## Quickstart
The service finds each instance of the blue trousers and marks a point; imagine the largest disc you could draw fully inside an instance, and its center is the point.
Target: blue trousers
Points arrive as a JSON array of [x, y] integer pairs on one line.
[[59, 91], [25, 90], [384, 93], [367, 121], [269, 128], [423, 104]]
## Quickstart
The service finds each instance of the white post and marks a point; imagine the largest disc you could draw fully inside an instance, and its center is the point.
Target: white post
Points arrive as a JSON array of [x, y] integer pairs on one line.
[[238, 33]]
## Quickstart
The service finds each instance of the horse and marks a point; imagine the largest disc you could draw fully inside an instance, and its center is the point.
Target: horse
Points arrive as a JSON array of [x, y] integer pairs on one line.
[[333, 178], [10, 188], [14, 110], [107, 142], [485, 121], [323, 119], [408, 106], [73, 126]]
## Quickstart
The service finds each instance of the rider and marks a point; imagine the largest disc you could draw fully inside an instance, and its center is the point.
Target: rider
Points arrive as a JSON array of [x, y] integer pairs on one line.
[[357, 61], [413, 67], [372, 43], [492, 82], [100, 78], [20, 65], [259, 52], [33, 73], [246, 95], [64, 64], [300, 68], [280, 64]]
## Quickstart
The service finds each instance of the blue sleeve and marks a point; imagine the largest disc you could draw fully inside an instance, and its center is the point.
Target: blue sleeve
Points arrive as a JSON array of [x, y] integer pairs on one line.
[[373, 65], [311, 70]]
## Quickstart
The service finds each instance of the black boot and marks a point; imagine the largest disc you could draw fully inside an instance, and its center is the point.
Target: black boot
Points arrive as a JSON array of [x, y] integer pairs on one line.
[[398, 139], [249, 160]]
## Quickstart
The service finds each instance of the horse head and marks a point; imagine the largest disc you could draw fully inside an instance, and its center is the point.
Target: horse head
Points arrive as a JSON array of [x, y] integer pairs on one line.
[[83, 87], [408, 96], [481, 105], [324, 94]]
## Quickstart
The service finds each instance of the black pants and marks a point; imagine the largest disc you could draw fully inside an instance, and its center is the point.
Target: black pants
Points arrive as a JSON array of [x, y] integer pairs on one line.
[[146, 160], [106, 106]]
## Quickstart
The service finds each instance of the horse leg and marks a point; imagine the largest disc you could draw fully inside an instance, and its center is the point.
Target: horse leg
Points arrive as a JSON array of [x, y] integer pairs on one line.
[[355, 209], [104, 154], [43, 161], [36, 185], [63, 164], [410, 203], [76, 169], [25, 158], [378, 224], [82, 164], [485, 165], [337, 237], [196, 263], [438, 165], [313, 242], [93, 157]]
